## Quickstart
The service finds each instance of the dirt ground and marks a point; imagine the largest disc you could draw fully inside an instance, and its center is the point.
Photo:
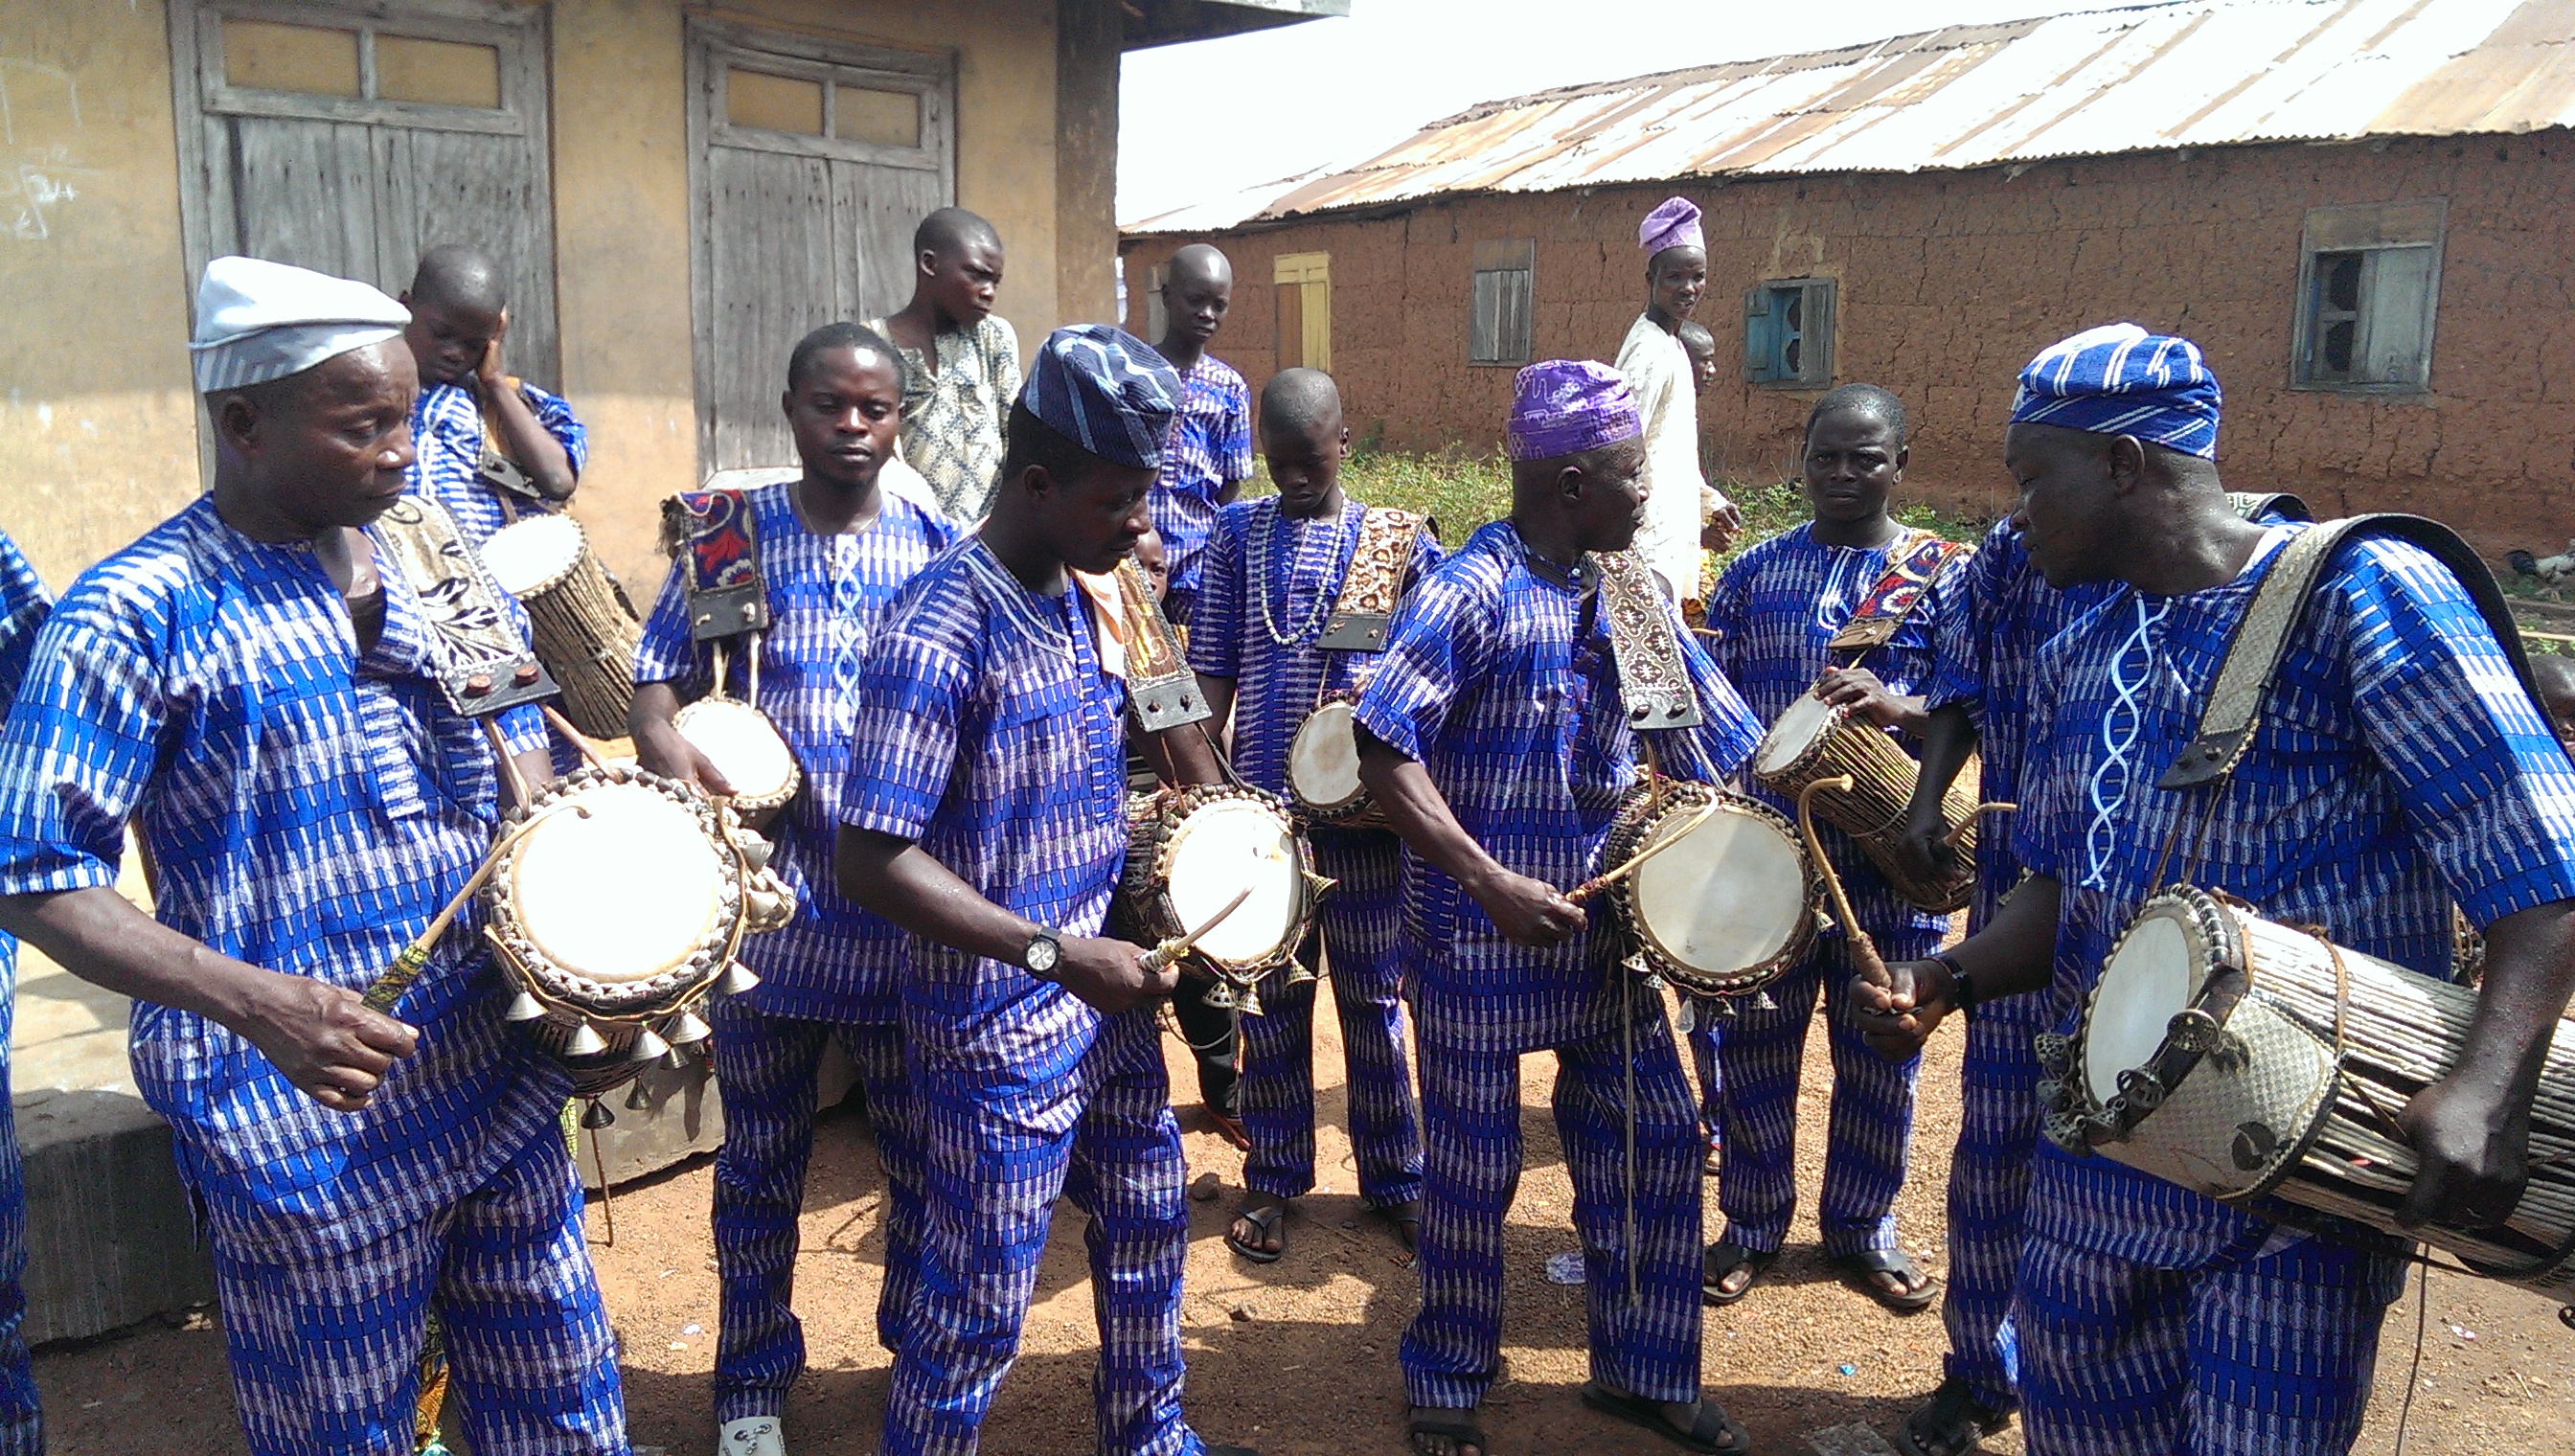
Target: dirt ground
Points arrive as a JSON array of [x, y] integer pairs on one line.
[[1298, 1359]]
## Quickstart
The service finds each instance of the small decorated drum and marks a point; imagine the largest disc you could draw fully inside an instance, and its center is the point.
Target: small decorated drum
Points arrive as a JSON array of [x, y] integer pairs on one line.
[[1816, 739], [2240, 1057], [584, 631], [618, 912], [745, 749], [1728, 909], [1323, 767], [1191, 849]]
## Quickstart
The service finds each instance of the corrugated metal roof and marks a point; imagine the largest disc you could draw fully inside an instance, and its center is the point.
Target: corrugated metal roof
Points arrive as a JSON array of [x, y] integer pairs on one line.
[[2143, 78]]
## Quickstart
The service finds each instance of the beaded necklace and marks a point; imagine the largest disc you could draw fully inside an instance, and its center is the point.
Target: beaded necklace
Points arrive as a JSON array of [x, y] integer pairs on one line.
[[1262, 546]]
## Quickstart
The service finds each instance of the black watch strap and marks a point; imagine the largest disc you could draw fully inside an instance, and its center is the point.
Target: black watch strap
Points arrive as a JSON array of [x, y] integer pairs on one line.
[[1962, 986]]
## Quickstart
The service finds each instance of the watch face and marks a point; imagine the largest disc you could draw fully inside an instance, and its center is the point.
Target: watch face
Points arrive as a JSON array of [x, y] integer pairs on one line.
[[1041, 953]]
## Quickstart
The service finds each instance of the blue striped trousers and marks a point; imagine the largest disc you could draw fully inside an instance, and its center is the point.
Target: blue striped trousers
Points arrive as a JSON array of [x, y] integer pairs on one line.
[[1998, 1120], [1361, 932], [1470, 1115], [766, 1067], [325, 1346], [1760, 1054], [996, 1153], [22, 1425]]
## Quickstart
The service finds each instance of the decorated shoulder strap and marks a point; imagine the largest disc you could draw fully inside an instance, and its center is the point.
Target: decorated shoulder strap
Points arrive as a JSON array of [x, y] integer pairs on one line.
[[2261, 639], [1160, 686], [1652, 680], [484, 663], [1910, 568], [2253, 505], [1374, 583], [716, 540]]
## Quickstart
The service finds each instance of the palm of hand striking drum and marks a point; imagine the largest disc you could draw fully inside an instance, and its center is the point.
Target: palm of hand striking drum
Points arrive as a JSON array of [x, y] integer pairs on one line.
[[745, 749], [1816, 739], [1728, 907], [1190, 851]]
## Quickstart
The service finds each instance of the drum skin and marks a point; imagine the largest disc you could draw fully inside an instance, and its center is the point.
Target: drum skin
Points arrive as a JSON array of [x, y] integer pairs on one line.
[[1323, 767], [577, 622], [746, 748], [1199, 842], [1725, 926], [1814, 740]]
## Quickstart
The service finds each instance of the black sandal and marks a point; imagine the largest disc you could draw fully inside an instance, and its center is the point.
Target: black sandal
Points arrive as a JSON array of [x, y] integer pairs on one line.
[[1457, 1425], [1406, 1219], [1264, 1218], [1953, 1422], [1723, 1259], [1712, 1431], [1860, 1272]]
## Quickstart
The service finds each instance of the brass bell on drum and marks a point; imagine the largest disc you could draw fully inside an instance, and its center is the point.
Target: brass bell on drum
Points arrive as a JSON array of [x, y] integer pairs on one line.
[[735, 980], [648, 1047], [685, 1029], [525, 1007], [755, 849], [585, 1041], [764, 905]]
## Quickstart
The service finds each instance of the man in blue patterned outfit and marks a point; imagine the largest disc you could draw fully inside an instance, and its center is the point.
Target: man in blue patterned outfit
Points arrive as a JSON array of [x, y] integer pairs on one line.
[[23, 606], [460, 314], [834, 549], [1496, 736], [1777, 609], [985, 813], [1271, 575], [2399, 765], [1209, 455], [245, 690]]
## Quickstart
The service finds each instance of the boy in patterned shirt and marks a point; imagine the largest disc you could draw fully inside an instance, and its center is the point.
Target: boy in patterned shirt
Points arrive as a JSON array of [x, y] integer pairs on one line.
[[490, 447], [961, 361], [1210, 456], [986, 814], [1271, 575], [833, 550]]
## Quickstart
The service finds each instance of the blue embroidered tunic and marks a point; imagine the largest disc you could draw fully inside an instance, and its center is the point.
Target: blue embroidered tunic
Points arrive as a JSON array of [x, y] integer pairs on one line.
[[2397, 765], [446, 433], [828, 598], [1210, 449], [1497, 676], [308, 808]]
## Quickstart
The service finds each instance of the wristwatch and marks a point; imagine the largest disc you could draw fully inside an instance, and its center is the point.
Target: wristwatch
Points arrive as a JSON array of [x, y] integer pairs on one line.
[[1962, 986], [1041, 953]]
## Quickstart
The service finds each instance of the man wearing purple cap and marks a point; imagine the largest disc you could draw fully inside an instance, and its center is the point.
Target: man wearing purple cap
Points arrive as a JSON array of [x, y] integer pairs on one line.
[[1497, 738], [1663, 380], [985, 813], [2399, 766]]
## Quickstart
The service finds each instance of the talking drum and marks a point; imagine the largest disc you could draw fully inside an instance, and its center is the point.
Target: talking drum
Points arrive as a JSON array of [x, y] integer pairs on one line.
[[582, 627], [1816, 739], [745, 749], [1323, 767], [1190, 851], [616, 914], [1724, 910], [2240, 1057]]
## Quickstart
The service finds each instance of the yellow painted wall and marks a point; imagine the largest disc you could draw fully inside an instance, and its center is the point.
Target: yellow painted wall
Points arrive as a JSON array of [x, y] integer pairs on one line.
[[97, 420]]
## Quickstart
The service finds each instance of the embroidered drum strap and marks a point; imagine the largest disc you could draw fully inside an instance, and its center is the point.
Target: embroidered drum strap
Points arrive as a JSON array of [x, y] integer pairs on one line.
[[484, 663], [1911, 566], [1651, 681], [1160, 686], [715, 535], [1374, 583], [2261, 638], [2253, 503]]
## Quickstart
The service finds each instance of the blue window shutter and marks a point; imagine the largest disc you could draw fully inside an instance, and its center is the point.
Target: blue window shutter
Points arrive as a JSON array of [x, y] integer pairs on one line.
[[1758, 334]]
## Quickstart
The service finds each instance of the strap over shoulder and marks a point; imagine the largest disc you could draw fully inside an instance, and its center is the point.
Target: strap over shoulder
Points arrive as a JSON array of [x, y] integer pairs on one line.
[[484, 662], [2261, 638], [1910, 569], [717, 536], [1374, 586], [1653, 682], [1160, 686]]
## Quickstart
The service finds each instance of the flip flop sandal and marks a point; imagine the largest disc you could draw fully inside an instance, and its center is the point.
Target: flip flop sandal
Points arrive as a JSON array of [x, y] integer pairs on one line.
[[1407, 1226], [1231, 1129], [1723, 1259], [1859, 1270], [1264, 1218], [1459, 1427], [1953, 1422], [1713, 1431]]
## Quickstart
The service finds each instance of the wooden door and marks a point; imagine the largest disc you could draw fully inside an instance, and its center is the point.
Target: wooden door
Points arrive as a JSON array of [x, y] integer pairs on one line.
[[350, 139], [813, 162]]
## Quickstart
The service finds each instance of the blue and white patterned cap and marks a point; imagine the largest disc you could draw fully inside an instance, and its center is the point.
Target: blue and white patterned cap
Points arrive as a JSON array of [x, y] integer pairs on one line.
[[2120, 379], [1106, 391], [258, 321]]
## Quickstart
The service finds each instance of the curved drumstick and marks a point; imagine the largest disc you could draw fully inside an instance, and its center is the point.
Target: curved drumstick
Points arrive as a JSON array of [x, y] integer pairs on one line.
[[1178, 945], [1598, 883], [1865, 956], [389, 987]]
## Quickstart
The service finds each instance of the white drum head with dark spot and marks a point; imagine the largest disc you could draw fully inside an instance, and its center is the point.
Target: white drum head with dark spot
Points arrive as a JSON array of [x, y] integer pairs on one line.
[[2153, 975], [532, 552], [1323, 762], [1726, 898], [742, 742], [623, 895], [1800, 726], [1220, 848]]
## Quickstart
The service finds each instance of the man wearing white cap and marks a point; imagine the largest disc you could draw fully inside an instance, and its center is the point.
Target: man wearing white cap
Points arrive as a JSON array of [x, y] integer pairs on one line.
[[246, 692], [1660, 374]]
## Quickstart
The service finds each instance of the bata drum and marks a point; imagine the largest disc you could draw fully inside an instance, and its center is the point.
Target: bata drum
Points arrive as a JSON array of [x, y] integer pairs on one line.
[[1190, 851], [745, 749], [616, 913], [2240, 1057], [1814, 740], [584, 631], [1728, 907], [1323, 767]]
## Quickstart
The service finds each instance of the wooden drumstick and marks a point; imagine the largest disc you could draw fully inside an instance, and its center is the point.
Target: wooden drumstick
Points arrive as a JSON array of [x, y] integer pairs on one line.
[[389, 987], [1178, 945], [1598, 883], [1863, 950], [583, 743]]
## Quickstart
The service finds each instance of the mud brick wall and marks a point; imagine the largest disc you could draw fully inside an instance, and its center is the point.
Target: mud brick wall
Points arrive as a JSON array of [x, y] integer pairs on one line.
[[1949, 282]]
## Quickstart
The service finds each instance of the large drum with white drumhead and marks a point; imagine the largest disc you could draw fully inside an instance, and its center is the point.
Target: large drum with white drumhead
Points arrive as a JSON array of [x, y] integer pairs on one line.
[[580, 625], [1191, 849], [1814, 740], [1726, 910], [1323, 767]]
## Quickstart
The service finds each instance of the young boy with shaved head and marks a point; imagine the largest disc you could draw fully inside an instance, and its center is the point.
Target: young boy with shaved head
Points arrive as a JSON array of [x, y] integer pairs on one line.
[[490, 447], [1272, 575], [1210, 454], [961, 361]]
